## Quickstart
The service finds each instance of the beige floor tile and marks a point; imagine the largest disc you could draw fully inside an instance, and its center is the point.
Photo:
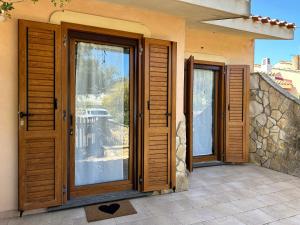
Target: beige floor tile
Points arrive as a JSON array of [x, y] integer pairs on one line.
[[280, 211], [248, 204], [224, 221], [83, 221], [295, 204], [155, 220], [255, 217]]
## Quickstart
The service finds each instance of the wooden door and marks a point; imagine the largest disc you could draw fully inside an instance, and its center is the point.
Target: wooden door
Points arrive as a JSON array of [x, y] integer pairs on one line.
[[39, 115], [237, 107], [159, 115]]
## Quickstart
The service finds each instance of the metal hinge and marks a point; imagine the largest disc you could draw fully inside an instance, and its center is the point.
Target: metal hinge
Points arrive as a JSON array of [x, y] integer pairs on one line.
[[141, 115], [141, 50], [141, 180], [65, 40]]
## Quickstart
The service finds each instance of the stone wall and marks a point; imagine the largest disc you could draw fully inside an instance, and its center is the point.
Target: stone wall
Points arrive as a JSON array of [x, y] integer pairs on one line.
[[182, 182], [274, 126]]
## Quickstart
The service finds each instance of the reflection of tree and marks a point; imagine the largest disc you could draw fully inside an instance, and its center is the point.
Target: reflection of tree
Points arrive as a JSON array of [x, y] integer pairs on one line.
[[92, 72], [117, 97], [102, 98]]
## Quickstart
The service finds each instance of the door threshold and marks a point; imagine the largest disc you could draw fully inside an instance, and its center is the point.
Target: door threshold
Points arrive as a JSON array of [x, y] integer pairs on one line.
[[90, 200], [207, 164]]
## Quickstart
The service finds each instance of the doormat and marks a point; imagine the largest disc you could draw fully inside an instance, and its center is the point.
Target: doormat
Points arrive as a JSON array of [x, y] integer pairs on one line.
[[109, 210]]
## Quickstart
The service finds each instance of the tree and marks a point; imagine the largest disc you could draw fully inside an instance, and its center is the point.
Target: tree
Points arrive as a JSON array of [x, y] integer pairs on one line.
[[7, 6]]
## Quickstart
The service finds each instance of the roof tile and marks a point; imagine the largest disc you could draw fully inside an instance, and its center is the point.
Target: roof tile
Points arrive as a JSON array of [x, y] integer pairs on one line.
[[274, 22]]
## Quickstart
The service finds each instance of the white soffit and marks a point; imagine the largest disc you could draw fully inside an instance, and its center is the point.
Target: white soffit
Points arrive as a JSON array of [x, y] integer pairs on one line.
[[256, 30], [99, 21], [193, 10]]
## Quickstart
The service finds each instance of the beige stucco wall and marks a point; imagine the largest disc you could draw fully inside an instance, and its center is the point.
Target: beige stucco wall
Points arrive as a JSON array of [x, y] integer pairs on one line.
[[233, 49], [218, 46]]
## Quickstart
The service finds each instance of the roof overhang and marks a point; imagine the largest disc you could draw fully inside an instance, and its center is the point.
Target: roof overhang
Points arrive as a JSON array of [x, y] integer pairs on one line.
[[194, 10], [257, 30]]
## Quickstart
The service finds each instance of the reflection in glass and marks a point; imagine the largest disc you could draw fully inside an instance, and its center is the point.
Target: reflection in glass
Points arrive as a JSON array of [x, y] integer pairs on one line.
[[102, 113], [203, 100]]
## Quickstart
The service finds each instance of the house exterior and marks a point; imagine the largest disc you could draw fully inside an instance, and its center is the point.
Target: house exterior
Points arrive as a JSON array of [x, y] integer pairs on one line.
[[116, 96], [285, 73]]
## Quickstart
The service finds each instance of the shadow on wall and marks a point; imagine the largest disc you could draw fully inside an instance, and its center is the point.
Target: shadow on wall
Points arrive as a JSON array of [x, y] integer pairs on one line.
[[274, 126]]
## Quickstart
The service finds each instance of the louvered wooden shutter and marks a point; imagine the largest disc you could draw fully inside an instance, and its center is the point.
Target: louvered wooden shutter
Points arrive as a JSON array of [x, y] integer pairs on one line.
[[189, 75], [39, 115], [237, 104], [159, 115]]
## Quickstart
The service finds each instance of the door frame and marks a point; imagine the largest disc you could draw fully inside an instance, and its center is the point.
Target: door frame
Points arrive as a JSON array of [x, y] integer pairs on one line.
[[219, 118], [124, 37]]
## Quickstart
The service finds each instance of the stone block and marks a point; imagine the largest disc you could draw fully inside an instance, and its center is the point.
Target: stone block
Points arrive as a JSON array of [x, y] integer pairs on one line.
[[275, 129], [265, 100], [262, 119], [255, 108], [181, 152], [276, 115], [264, 132], [271, 122], [264, 86], [254, 82], [282, 123], [182, 182]]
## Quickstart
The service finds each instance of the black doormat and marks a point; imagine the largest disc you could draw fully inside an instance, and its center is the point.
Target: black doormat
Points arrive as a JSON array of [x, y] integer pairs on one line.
[[109, 210]]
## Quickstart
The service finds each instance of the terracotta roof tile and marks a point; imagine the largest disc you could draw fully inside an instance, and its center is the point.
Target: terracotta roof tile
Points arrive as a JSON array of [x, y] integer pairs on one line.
[[274, 22]]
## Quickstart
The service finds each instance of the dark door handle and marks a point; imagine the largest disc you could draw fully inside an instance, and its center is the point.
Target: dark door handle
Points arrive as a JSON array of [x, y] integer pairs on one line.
[[168, 114], [23, 114]]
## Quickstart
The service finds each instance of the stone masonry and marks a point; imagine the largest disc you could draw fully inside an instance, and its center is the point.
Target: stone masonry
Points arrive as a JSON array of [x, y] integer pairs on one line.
[[182, 182], [274, 126]]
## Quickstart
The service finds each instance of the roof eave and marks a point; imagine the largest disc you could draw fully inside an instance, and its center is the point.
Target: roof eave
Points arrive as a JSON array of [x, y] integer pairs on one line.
[[257, 30], [193, 10]]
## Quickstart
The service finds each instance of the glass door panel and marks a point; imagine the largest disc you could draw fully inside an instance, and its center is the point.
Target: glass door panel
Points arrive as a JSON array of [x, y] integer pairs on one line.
[[102, 113], [203, 112]]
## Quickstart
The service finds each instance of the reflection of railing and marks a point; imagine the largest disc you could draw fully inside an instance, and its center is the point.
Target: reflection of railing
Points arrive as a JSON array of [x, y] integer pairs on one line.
[[95, 132]]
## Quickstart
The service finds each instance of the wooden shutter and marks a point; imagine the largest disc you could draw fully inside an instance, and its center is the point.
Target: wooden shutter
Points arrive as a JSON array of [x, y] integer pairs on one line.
[[189, 76], [159, 115], [39, 115], [237, 104]]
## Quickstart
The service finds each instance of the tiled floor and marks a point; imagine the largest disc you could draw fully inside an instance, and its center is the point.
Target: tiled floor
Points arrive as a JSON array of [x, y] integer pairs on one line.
[[223, 195]]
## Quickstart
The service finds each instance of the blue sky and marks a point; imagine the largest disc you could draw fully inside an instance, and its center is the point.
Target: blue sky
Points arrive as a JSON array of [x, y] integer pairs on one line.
[[288, 10]]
